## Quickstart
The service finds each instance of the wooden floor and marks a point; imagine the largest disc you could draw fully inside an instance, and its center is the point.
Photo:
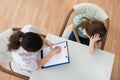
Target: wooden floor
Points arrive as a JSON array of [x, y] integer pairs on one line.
[[49, 15], [4, 76]]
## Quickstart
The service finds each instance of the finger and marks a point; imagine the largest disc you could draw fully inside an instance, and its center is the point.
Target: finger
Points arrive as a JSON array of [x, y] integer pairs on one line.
[[92, 37], [95, 35], [58, 48], [98, 36], [51, 46]]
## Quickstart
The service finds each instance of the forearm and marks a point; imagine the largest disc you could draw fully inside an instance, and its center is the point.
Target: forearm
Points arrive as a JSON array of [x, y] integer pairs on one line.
[[76, 34], [91, 47], [44, 60]]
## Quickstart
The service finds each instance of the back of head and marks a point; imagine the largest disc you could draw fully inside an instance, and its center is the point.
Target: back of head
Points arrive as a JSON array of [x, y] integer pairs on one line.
[[94, 27], [30, 41]]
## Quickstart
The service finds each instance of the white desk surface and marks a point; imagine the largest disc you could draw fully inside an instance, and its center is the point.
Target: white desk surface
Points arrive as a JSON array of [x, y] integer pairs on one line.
[[83, 65]]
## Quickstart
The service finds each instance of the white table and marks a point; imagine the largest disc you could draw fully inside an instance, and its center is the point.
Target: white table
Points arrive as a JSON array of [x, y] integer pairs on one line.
[[83, 65]]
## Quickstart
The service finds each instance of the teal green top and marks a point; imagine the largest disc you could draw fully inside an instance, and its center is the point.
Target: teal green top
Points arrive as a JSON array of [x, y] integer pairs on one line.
[[77, 20]]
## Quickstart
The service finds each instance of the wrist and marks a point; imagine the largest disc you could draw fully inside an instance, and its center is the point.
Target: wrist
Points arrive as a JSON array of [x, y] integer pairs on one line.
[[92, 42]]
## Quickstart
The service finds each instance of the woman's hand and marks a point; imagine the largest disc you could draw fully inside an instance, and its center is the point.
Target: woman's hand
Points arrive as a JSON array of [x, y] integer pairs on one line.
[[46, 42], [55, 50], [49, 43], [95, 38]]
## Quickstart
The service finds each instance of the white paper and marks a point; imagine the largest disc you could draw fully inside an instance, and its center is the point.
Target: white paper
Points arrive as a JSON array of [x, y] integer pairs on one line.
[[60, 58]]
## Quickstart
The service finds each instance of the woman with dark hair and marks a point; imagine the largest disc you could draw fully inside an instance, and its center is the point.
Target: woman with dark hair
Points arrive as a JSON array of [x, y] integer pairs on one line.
[[87, 31], [25, 46]]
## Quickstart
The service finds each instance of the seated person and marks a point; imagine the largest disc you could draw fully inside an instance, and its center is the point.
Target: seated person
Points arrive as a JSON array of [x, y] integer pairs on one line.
[[87, 31], [25, 46]]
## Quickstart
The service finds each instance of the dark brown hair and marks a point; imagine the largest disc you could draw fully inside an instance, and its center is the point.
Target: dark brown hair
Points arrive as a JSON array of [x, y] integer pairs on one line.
[[93, 27], [30, 41]]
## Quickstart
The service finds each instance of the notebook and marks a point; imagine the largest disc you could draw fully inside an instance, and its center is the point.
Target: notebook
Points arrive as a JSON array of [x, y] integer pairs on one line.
[[58, 59]]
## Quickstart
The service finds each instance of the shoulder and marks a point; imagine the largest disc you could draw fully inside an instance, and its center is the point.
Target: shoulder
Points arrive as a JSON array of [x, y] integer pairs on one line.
[[30, 28], [78, 19]]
